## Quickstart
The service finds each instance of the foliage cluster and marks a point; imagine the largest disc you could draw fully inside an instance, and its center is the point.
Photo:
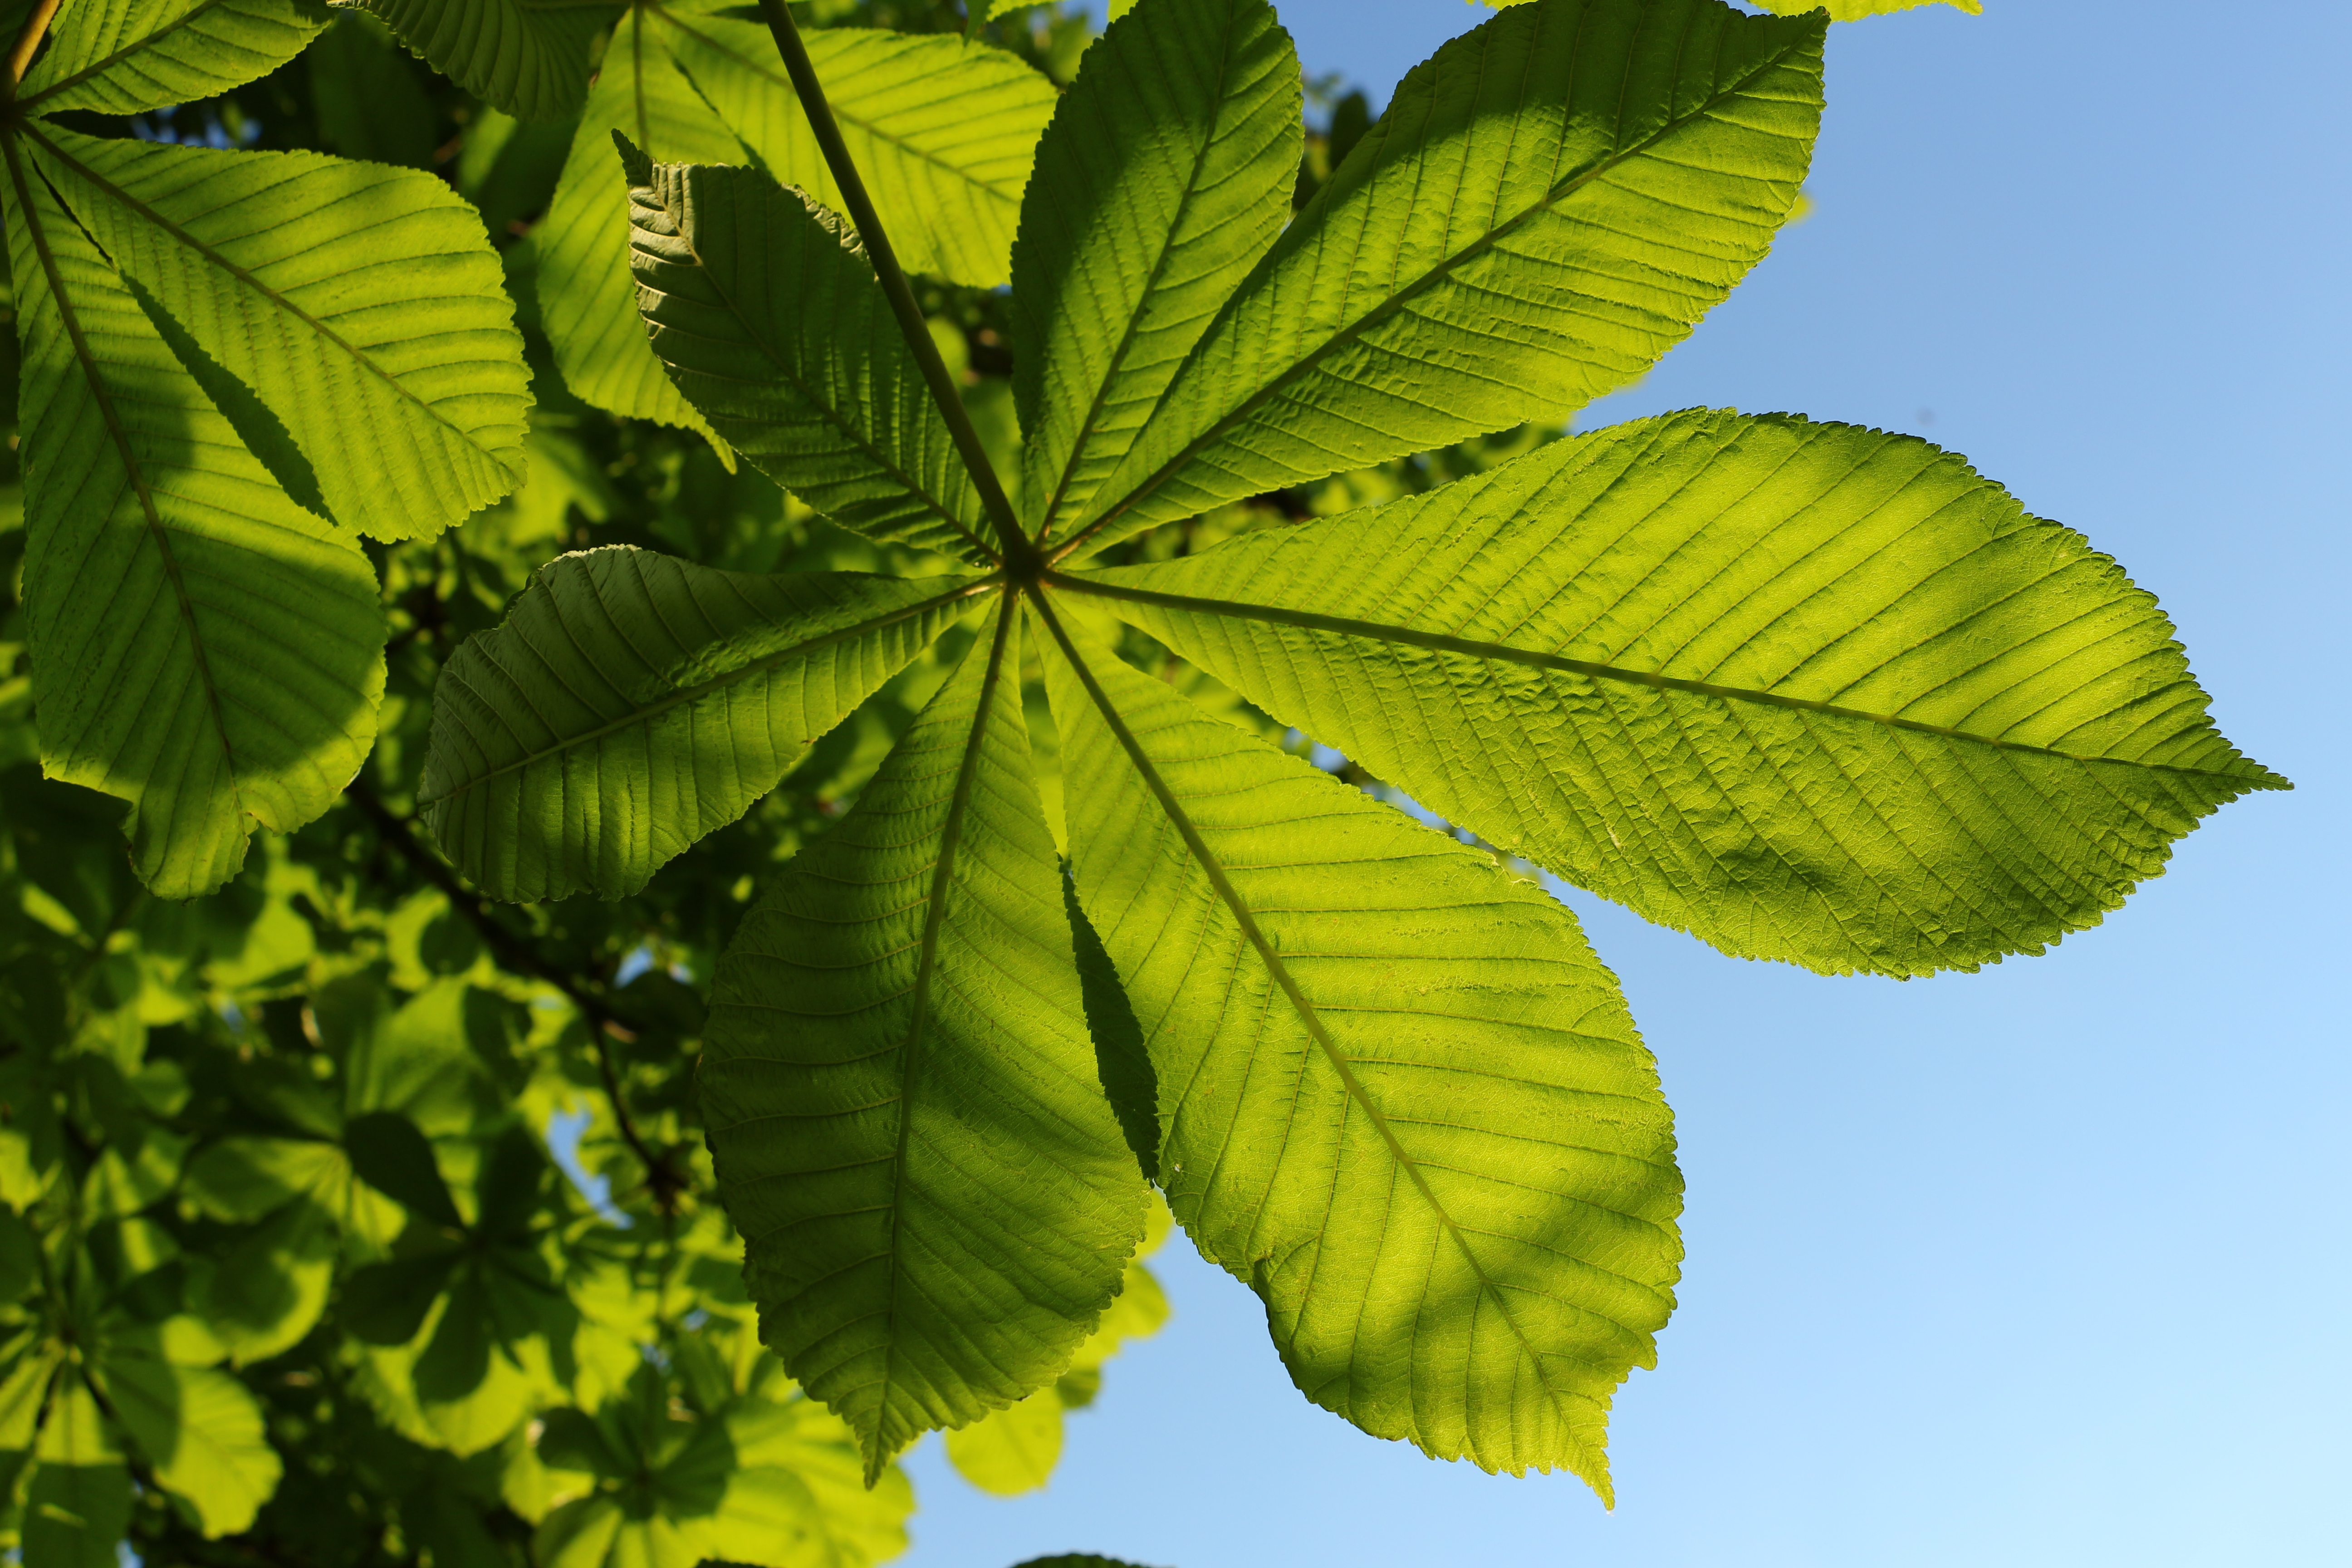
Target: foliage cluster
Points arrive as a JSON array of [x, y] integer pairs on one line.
[[886, 829]]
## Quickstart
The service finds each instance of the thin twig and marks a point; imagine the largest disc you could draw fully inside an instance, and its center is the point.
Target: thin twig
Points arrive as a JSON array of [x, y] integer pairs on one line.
[[1021, 556], [665, 1179]]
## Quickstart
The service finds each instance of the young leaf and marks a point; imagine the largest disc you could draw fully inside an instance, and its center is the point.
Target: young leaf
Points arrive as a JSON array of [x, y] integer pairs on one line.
[[1399, 1097], [529, 58], [585, 296], [349, 297], [1166, 174], [772, 323], [632, 703], [1547, 205], [943, 131], [1809, 691], [202, 647], [126, 57], [935, 1198]]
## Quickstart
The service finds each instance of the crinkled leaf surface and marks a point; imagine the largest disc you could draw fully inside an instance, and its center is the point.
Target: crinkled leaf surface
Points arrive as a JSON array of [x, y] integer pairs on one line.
[[124, 57], [348, 296], [1810, 691], [1398, 1096], [632, 702], [935, 1198], [529, 58], [772, 324], [1546, 206], [1168, 174], [202, 647]]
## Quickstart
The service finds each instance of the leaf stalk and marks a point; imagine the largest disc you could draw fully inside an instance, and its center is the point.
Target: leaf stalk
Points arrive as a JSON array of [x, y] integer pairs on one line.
[[20, 58], [1023, 560]]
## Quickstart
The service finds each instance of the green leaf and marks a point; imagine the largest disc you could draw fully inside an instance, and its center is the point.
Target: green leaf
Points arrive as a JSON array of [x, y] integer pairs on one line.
[[201, 647], [795, 1453], [263, 1294], [126, 57], [529, 58], [199, 1430], [777, 331], [632, 703], [1164, 177], [1399, 1097], [1548, 205], [1809, 691], [392, 1156], [585, 295], [898, 1087], [1013, 1450], [943, 131], [78, 1502], [348, 296], [369, 105]]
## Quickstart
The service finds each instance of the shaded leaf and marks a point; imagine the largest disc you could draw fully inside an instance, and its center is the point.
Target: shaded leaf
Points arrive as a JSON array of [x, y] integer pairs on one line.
[[896, 1081], [200, 1432], [203, 649], [529, 58], [777, 331], [945, 168], [349, 296]]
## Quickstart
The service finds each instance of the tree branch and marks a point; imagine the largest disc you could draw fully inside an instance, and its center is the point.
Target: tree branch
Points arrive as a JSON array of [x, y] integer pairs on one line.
[[666, 1177]]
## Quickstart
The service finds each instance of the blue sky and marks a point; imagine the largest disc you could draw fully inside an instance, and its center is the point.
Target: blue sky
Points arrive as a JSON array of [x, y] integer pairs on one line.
[[2042, 1265]]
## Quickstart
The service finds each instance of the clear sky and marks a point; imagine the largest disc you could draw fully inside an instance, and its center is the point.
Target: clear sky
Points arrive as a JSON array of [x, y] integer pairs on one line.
[[2042, 1265]]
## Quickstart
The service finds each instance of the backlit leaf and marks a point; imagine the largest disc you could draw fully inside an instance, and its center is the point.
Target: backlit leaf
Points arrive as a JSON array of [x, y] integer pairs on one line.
[[631, 703], [124, 57], [953, 1205], [1399, 1097], [1810, 691], [1546, 206], [205, 648], [529, 58]]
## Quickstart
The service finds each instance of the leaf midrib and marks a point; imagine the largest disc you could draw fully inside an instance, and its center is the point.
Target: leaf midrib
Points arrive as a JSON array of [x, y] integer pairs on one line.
[[1118, 360], [1440, 642], [358, 355], [926, 963], [1347, 333], [832, 415], [868, 127], [116, 432], [700, 689], [1242, 916]]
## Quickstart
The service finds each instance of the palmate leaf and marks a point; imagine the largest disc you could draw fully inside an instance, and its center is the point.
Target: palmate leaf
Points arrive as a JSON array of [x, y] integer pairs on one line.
[[1809, 691], [348, 296], [632, 703], [125, 56], [1398, 1096], [529, 58], [1547, 205], [776, 330], [1168, 174], [78, 1502], [202, 646], [899, 1091]]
